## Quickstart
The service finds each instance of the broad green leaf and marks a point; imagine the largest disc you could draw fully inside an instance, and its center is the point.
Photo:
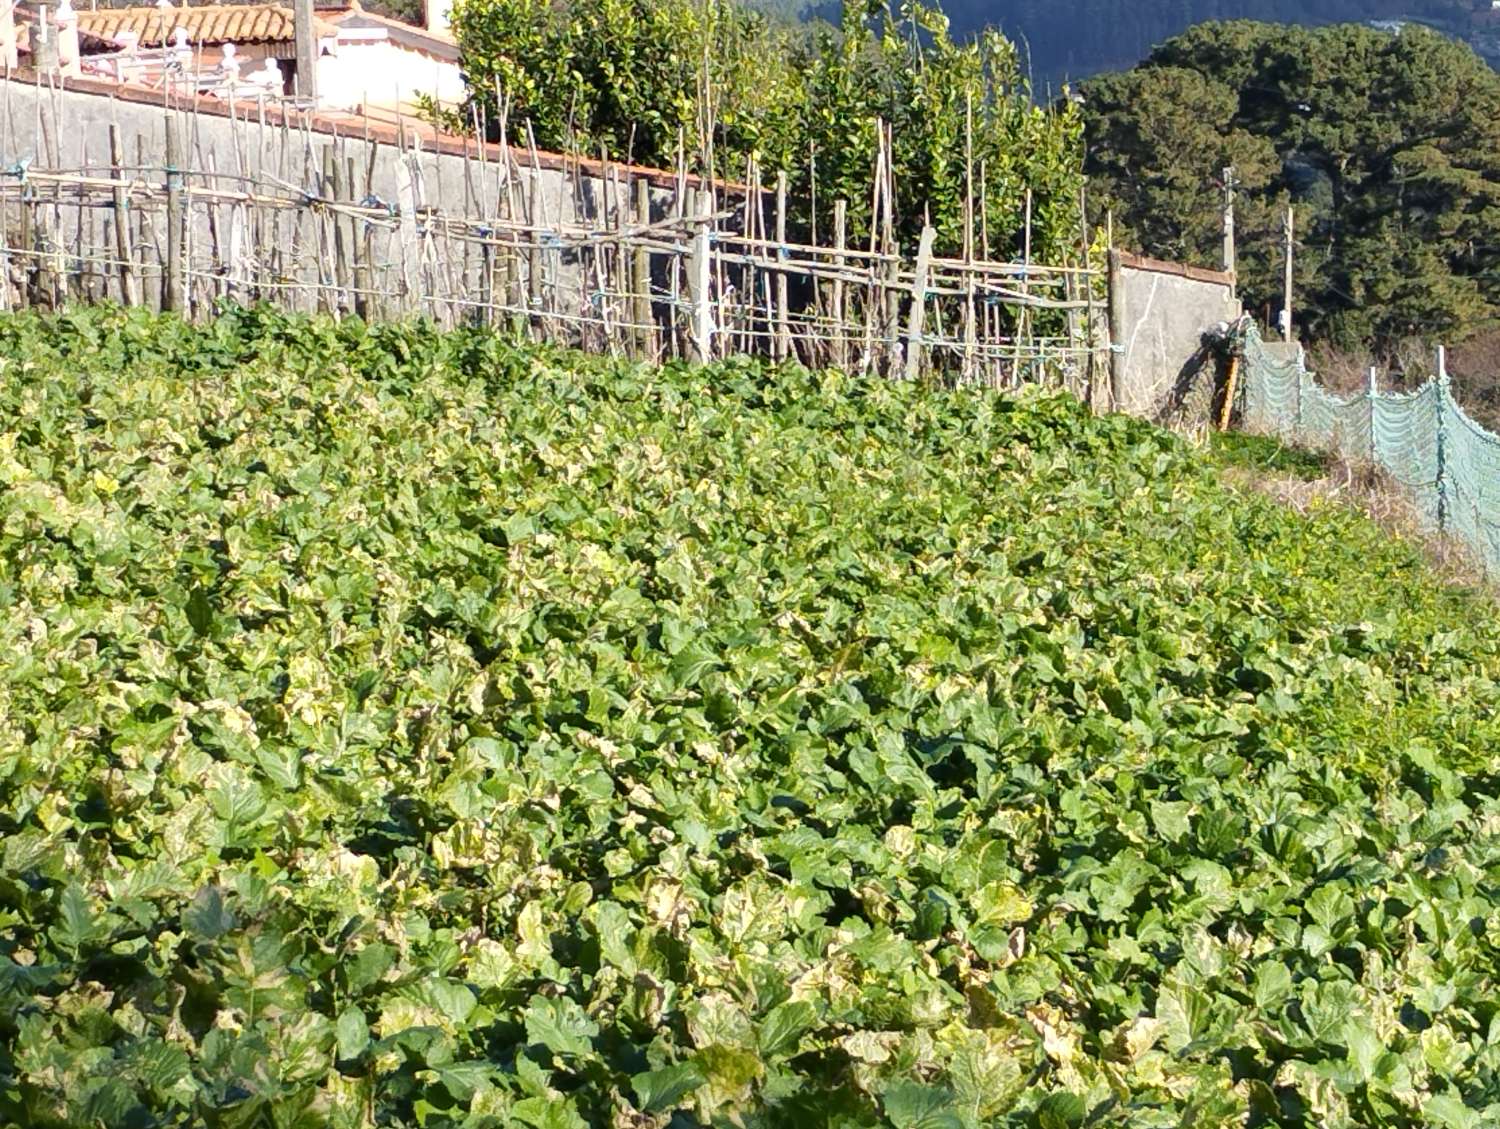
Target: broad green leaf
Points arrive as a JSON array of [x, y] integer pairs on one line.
[[1450, 1112], [353, 1032], [781, 1029], [1061, 1110], [561, 1026], [207, 916], [77, 926], [913, 1106], [659, 1090], [200, 610], [368, 965], [547, 1113]]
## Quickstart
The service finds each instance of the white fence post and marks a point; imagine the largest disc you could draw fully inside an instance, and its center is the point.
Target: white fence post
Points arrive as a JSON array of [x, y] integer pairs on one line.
[[700, 274], [918, 304]]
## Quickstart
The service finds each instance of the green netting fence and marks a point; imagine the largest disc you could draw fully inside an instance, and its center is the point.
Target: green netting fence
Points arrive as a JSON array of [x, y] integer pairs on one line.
[[1422, 438]]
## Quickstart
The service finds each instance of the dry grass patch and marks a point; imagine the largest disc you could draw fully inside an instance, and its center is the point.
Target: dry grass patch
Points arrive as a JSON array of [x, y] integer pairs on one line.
[[1304, 481]]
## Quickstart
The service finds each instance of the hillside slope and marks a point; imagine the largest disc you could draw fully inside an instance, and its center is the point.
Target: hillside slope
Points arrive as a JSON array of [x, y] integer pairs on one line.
[[1073, 39], [414, 730]]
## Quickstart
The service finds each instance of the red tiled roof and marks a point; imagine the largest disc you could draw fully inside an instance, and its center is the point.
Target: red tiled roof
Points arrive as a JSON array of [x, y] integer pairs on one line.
[[215, 23]]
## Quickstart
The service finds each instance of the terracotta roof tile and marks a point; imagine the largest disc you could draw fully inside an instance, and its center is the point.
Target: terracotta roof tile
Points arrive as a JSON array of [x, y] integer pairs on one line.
[[215, 23]]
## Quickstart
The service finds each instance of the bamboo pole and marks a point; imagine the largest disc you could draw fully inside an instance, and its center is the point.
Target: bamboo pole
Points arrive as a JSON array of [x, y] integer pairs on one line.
[[83, 218], [147, 240], [1023, 323], [1089, 331], [1286, 298], [753, 227], [838, 313], [966, 365], [1230, 384], [28, 239], [472, 308], [990, 314], [374, 304], [359, 263], [783, 308], [333, 183], [215, 242], [49, 227], [641, 276]]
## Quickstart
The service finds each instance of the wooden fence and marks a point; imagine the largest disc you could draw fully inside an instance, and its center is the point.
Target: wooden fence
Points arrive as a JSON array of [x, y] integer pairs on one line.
[[700, 272]]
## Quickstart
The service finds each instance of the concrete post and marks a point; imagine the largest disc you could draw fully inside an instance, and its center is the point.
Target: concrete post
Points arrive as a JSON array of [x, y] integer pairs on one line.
[[307, 50], [700, 276], [43, 42], [918, 311]]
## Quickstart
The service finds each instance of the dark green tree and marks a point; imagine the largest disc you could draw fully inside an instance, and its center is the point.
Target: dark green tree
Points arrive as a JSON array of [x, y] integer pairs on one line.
[[1388, 145]]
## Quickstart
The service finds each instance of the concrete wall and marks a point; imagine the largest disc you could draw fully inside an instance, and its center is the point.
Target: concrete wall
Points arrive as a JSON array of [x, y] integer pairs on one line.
[[1159, 314], [270, 150], [68, 127]]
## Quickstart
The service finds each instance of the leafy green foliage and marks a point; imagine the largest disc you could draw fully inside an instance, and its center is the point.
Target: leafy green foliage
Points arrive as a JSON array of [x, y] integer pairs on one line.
[[1386, 144], [1269, 454], [717, 84], [562, 742]]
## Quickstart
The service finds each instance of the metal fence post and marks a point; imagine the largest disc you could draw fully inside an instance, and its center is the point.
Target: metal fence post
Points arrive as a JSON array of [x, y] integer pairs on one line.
[[1374, 397]]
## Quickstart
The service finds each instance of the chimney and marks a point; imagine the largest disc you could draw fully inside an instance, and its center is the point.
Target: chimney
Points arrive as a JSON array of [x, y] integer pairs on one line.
[[437, 13], [69, 57], [43, 42], [8, 56]]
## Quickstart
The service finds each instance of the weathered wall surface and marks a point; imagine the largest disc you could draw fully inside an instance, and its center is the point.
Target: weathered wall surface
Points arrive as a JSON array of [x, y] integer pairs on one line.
[[267, 151], [68, 127], [1159, 314]]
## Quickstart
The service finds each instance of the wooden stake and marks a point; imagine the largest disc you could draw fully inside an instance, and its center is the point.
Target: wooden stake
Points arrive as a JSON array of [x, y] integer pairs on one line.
[[172, 296], [28, 240], [1230, 383]]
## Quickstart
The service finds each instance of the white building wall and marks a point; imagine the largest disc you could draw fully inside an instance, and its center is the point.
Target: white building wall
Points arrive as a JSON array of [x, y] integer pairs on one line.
[[381, 73]]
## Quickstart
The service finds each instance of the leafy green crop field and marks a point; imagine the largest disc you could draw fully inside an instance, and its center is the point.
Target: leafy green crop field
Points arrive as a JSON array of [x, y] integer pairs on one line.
[[403, 729]]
